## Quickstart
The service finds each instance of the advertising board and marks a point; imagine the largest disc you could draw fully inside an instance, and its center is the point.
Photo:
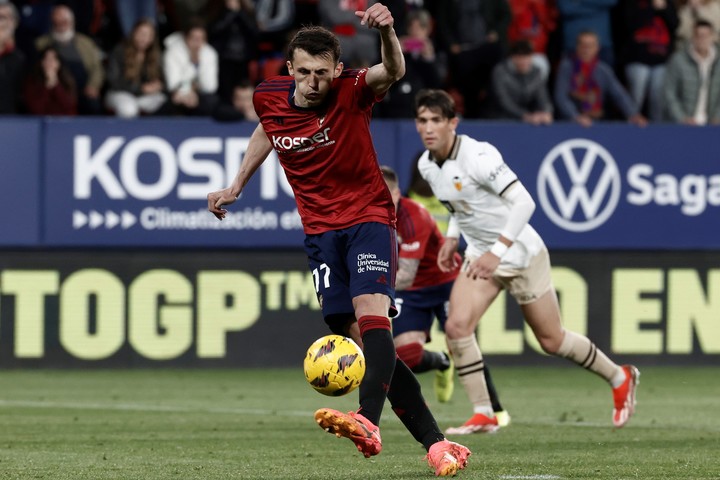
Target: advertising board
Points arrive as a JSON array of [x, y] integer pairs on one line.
[[254, 309]]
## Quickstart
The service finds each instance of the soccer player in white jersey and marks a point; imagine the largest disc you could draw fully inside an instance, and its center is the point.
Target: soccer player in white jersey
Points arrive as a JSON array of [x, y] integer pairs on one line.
[[491, 208]]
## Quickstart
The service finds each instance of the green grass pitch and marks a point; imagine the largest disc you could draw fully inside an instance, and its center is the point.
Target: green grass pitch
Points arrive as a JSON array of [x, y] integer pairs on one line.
[[257, 424]]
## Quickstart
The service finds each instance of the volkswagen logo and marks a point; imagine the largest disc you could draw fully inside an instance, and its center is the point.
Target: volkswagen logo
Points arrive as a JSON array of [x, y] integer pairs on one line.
[[578, 185]]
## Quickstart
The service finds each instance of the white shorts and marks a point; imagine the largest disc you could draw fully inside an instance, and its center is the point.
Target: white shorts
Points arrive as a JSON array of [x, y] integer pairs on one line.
[[528, 284]]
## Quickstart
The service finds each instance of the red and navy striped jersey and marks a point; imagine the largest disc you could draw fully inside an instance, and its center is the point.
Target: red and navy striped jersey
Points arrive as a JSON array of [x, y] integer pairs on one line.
[[420, 239], [327, 152]]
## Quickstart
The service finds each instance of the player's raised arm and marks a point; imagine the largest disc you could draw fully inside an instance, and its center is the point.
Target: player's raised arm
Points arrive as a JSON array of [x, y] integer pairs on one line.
[[379, 77], [259, 148]]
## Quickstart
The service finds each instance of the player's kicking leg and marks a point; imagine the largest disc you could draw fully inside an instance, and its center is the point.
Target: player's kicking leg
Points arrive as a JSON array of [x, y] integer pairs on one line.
[[362, 427], [352, 293]]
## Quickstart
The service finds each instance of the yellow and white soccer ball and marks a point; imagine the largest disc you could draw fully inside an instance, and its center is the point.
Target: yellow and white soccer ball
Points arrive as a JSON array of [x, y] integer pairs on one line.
[[334, 365]]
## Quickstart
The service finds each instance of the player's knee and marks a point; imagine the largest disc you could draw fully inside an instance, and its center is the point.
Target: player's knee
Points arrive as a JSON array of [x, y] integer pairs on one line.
[[458, 328], [550, 345]]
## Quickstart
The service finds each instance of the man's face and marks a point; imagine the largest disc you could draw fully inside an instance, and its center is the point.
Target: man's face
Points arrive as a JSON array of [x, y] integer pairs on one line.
[[522, 63], [436, 131], [313, 77], [7, 23], [587, 47], [62, 20], [702, 39]]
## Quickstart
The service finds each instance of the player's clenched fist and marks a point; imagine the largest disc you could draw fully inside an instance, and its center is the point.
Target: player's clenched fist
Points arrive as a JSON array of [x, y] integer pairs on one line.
[[377, 16]]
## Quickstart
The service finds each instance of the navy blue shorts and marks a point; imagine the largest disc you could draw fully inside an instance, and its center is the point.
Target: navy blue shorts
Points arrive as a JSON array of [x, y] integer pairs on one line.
[[418, 308], [353, 261]]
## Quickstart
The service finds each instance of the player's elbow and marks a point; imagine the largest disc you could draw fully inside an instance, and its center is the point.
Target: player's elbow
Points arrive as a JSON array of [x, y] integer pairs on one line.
[[392, 75], [395, 70], [399, 72], [531, 205], [522, 201]]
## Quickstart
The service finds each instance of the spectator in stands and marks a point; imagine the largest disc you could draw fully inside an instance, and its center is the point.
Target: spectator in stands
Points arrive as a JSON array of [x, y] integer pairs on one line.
[[587, 15], [12, 61], [692, 80], [359, 44], [650, 26], [35, 19], [50, 88], [135, 78], [584, 83], [423, 67], [520, 87], [240, 108], [689, 12], [80, 55], [417, 42], [233, 34], [475, 35], [534, 21], [190, 65]]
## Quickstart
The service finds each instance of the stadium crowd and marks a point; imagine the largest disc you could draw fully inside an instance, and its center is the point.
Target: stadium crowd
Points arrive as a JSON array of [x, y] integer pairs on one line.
[[535, 61]]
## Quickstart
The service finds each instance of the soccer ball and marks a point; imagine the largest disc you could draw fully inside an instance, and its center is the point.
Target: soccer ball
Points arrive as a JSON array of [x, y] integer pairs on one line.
[[334, 365]]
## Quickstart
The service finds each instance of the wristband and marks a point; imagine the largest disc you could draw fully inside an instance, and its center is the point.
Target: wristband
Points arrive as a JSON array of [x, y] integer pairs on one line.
[[498, 249]]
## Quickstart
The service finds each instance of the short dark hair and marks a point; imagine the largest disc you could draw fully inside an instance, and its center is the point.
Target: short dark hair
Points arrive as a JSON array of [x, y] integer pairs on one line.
[[701, 22], [435, 100], [192, 24], [316, 41], [520, 47], [389, 175], [587, 33]]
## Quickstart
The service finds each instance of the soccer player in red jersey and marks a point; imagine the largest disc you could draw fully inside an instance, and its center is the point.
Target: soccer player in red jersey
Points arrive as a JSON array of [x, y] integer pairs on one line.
[[423, 293], [317, 120]]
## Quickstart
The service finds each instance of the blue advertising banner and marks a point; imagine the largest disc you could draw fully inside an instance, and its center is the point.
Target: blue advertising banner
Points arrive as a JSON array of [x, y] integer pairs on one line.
[[108, 182], [611, 186], [144, 183], [19, 181]]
